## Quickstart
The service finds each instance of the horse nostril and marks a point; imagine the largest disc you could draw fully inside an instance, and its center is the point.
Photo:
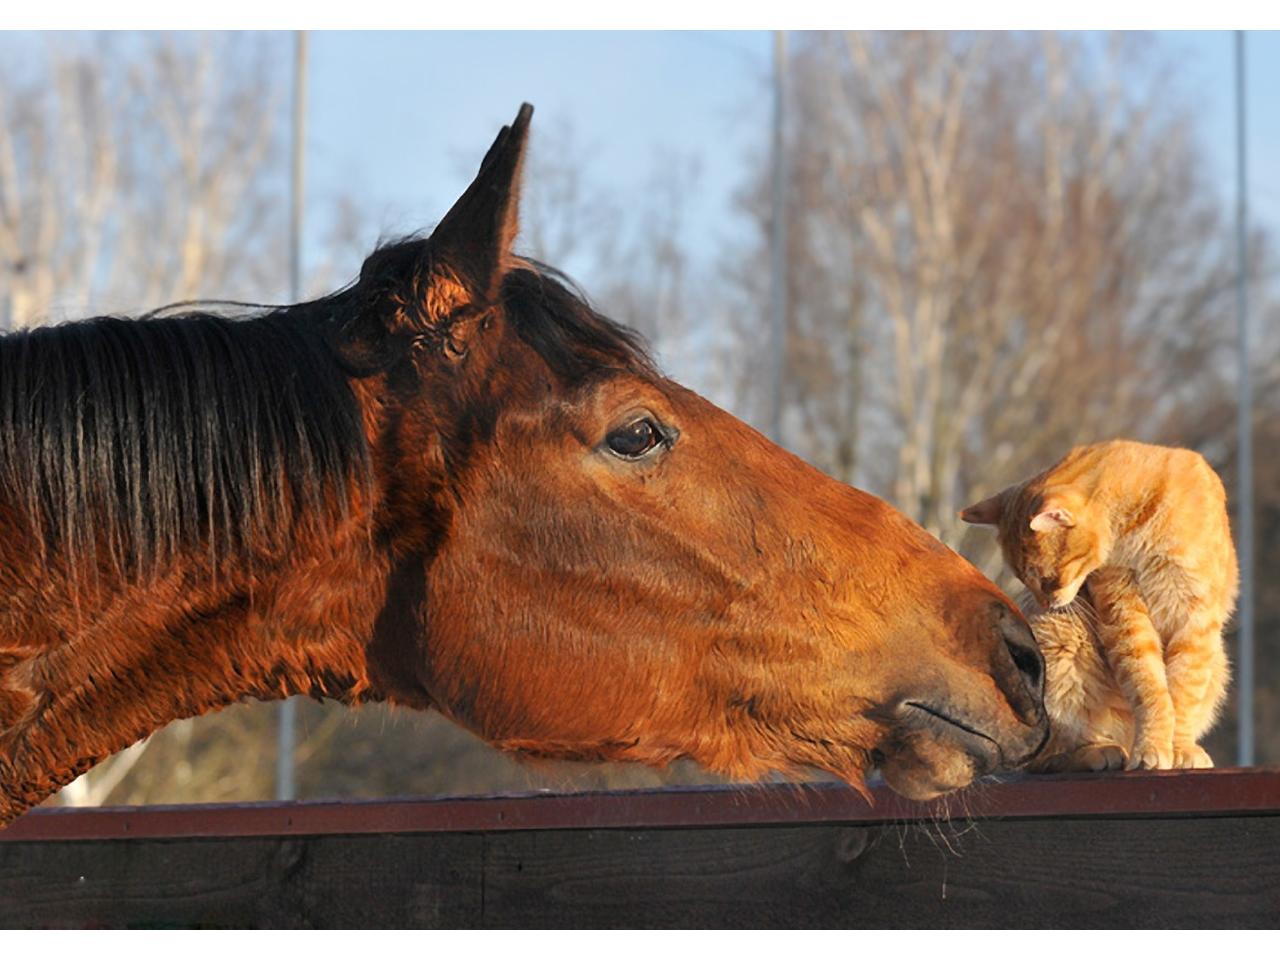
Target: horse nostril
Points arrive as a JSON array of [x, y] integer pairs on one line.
[[1019, 672], [1027, 697], [1029, 661]]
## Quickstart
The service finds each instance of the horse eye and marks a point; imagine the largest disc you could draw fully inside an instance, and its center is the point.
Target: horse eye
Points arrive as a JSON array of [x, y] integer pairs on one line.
[[633, 441]]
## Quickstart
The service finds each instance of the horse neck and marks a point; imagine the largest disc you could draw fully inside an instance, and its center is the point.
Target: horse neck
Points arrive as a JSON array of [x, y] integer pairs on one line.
[[77, 685]]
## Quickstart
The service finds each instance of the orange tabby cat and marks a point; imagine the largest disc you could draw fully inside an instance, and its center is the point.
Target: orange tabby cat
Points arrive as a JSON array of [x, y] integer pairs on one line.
[[1127, 548]]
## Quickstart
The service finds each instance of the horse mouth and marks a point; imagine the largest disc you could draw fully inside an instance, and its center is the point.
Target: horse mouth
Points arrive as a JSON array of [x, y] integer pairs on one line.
[[983, 749]]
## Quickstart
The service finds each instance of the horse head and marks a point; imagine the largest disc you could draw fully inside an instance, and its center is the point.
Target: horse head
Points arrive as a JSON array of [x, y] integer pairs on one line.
[[610, 566]]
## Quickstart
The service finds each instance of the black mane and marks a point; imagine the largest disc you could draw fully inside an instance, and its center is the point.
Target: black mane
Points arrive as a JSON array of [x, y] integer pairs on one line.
[[148, 437], [142, 438], [554, 318], [547, 310]]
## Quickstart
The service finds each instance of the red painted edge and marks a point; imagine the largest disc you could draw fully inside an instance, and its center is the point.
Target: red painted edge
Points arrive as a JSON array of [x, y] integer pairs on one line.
[[1222, 792]]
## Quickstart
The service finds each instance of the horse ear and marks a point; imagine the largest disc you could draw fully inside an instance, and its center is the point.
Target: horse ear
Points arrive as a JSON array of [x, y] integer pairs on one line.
[[474, 239], [985, 512], [462, 263]]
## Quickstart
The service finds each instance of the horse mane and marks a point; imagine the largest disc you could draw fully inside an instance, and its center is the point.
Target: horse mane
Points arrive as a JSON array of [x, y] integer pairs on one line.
[[548, 311], [126, 442], [553, 316]]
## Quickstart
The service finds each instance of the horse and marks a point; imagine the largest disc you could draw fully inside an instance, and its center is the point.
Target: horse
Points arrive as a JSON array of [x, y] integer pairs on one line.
[[454, 485]]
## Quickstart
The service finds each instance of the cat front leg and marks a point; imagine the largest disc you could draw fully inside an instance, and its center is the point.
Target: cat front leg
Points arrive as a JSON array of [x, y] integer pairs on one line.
[[1135, 654]]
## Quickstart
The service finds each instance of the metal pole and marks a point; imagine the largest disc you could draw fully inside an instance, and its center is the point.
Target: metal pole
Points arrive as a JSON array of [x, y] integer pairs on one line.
[[1244, 505], [299, 151], [778, 274], [285, 734]]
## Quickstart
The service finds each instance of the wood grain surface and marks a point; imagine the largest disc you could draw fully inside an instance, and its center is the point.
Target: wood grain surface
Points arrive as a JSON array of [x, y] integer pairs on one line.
[[1087, 868]]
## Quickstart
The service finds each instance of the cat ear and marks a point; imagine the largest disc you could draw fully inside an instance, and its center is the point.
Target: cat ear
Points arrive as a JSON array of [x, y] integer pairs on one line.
[[1055, 518], [986, 511]]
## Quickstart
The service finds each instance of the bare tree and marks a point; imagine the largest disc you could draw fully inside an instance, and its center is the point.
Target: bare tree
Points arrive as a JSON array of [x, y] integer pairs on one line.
[[635, 262], [566, 219], [1002, 245], [139, 173], [650, 283]]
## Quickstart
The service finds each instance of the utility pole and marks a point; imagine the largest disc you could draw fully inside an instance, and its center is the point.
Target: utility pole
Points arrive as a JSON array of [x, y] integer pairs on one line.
[[1244, 495], [777, 358], [285, 733]]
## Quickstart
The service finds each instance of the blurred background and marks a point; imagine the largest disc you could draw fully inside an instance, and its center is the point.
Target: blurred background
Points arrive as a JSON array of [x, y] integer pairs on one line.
[[982, 248]]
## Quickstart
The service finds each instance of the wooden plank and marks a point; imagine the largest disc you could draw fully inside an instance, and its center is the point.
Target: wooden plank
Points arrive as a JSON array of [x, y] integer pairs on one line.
[[1212, 872], [1096, 872], [1128, 794], [430, 881]]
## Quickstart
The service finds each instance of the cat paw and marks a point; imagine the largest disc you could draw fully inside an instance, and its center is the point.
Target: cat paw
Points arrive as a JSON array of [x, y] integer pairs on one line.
[[1090, 758], [1097, 757], [1149, 756], [1191, 756]]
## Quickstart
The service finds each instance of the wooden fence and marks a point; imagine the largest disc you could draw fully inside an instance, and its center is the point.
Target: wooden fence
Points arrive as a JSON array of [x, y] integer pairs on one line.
[[1119, 850]]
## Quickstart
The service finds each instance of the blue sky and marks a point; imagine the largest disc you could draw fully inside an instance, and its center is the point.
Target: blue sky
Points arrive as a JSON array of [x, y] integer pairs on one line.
[[1206, 74], [402, 120], [398, 121]]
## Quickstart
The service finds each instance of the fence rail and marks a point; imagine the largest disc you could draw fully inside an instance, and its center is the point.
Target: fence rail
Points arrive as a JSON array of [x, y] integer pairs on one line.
[[1162, 849]]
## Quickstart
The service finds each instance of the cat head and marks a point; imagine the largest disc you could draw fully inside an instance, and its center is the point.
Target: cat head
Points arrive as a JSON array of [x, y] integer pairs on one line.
[[1052, 537]]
